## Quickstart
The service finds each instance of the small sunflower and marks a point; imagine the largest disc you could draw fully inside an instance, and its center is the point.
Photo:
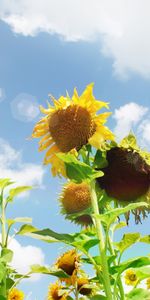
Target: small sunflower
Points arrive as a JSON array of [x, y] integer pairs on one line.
[[56, 293], [69, 263], [15, 294], [148, 283], [74, 199], [127, 175], [130, 278], [70, 124], [82, 286]]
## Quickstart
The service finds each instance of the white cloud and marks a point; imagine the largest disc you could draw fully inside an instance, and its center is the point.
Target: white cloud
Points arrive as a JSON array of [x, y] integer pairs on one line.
[[25, 107], [127, 118], [144, 133], [121, 26], [2, 94], [12, 166], [24, 257]]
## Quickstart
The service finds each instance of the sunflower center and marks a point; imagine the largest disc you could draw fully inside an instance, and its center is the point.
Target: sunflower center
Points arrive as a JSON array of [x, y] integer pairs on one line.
[[71, 127], [76, 197], [133, 277]]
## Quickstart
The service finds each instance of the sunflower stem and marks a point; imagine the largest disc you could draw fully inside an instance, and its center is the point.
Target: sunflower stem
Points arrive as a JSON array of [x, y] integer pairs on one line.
[[3, 289], [120, 285], [99, 230]]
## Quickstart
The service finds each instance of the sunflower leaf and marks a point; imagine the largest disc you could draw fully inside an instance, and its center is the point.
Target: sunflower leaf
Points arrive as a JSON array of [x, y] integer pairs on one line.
[[78, 171], [51, 271], [127, 241], [16, 191], [145, 239], [46, 235], [131, 263], [109, 217], [137, 294]]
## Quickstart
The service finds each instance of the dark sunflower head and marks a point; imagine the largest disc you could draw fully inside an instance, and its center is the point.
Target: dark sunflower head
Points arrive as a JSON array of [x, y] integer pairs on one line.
[[127, 176]]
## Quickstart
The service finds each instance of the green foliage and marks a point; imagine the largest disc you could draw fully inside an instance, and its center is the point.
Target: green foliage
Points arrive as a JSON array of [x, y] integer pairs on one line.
[[127, 241], [49, 271], [17, 191], [6, 255], [145, 239], [137, 294], [136, 262], [78, 171], [110, 216]]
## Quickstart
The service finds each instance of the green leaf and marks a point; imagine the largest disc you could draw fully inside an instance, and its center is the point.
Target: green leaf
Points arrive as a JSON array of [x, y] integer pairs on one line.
[[100, 160], [77, 170], [109, 217], [131, 263], [5, 182], [6, 255], [10, 222], [51, 271], [2, 271], [137, 294], [127, 241], [17, 191], [118, 226], [98, 297], [143, 272], [9, 283], [145, 239], [46, 235]]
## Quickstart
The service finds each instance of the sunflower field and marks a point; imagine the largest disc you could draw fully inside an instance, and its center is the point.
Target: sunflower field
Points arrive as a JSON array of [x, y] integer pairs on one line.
[[106, 186]]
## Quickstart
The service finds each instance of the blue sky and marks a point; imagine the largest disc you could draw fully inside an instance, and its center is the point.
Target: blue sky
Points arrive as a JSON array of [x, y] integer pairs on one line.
[[35, 62]]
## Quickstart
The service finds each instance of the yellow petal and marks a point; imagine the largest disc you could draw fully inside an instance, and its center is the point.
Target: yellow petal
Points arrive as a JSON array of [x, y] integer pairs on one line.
[[46, 137], [54, 149], [45, 111], [100, 136], [39, 133], [46, 144]]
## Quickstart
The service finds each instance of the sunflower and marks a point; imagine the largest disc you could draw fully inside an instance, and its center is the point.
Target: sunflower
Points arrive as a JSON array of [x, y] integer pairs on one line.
[[127, 175], [56, 293], [15, 294], [148, 283], [69, 263], [130, 278], [82, 286], [76, 198], [70, 124]]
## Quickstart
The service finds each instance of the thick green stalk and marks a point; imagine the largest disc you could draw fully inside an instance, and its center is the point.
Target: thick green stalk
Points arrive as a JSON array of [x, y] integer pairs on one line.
[[3, 224], [115, 264], [100, 236]]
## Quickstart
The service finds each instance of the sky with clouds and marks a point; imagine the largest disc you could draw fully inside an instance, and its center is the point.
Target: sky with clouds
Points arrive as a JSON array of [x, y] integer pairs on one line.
[[49, 46]]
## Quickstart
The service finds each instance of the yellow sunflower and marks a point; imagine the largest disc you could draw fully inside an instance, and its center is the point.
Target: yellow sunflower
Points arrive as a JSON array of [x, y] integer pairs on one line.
[[15, 294], [83, 289], [148, 283], [55, 292], [69, 263], [70, 124], [130, 278]]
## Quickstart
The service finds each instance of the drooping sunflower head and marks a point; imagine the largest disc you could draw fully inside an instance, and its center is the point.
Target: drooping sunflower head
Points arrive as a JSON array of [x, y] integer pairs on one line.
[[131, 278], [76, 198], [69, 263], [56, 292], [83, 289], [70, 124], [15, 294], [127, 175]]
